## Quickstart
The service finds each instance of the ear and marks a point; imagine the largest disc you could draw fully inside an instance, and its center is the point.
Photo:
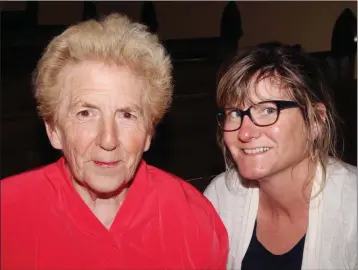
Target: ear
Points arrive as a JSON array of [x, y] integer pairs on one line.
[[321, 109], [148, 142], [54, 135]]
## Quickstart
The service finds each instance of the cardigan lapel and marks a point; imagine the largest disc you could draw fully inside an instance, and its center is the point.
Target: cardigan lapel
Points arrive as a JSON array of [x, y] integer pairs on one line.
[[247, 225], [313, 236]]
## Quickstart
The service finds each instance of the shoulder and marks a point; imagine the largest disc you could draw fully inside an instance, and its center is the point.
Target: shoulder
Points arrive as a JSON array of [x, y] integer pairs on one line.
[[338, 168], [179, 197], [340, 208], [340, 194], [29, 186], [340, 189], [175, 190], [341, 176], [226, 188], [190, 214], [218, 186], [24, 197], [21, 184]]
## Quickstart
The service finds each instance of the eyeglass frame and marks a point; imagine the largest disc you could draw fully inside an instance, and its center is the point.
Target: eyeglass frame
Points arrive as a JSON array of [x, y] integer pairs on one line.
[[280, 104]]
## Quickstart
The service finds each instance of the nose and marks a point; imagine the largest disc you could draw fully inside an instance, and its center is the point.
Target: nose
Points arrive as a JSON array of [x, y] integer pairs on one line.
[[248, 130], [108, 135]]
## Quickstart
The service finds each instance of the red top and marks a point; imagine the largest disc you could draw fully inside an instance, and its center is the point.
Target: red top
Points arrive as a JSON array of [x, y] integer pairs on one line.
[[164, 223]]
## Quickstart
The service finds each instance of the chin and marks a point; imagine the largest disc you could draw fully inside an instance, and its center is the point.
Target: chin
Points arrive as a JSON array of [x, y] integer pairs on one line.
[[106, 188], [253, 168], [107, 192], [252, 173]]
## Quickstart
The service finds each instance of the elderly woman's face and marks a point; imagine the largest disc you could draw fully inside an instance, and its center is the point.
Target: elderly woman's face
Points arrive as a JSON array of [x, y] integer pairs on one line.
[[265, 151], [101, 126]]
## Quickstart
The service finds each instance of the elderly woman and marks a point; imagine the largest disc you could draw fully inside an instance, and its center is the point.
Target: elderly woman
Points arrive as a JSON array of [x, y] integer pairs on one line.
[[286, 202], [102, 86]]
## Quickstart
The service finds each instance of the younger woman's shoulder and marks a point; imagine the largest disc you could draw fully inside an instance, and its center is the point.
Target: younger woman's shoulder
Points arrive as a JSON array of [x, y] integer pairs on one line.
[[341, 185], [226, 187], [342, 173]]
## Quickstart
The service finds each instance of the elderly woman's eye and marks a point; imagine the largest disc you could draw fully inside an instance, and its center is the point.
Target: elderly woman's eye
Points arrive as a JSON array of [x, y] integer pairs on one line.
[[84, 113], [128, 115]]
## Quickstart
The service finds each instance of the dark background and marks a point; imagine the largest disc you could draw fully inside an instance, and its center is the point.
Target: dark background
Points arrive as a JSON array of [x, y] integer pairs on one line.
[[199, 36]]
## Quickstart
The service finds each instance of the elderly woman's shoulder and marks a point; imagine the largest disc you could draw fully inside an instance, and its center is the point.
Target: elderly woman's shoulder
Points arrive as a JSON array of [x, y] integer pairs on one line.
[[195, 217], [26, 184], [24, 178], [175, 190], [163, 181]]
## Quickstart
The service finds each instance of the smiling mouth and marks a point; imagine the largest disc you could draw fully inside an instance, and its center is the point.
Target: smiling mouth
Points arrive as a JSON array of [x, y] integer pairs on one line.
[[106, 164], [256, 150]]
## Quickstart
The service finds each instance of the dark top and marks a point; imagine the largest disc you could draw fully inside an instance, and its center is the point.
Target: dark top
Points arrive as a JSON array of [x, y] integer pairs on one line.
[[258, 257]]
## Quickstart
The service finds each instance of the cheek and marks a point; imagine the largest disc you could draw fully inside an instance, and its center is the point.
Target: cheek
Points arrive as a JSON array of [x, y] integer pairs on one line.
[[133, 139], [275, 133], [88, 129], [230, 139], [231, 142], [79, 137], [288, 136]]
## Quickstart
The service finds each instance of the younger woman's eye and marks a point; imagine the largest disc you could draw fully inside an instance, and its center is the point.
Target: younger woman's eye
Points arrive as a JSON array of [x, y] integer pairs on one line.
[[270, 110], [234, 114]]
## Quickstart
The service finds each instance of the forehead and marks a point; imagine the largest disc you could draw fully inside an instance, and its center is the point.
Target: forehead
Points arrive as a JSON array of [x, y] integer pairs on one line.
[[100, 83], [256, 90], [267, 89]]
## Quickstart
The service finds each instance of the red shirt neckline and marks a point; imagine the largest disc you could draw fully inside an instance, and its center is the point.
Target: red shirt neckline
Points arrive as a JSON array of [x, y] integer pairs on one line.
[[82, 215]]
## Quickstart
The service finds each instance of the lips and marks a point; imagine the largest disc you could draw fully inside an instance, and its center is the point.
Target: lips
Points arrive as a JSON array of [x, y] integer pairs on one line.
[[105, 164], [257, 150]]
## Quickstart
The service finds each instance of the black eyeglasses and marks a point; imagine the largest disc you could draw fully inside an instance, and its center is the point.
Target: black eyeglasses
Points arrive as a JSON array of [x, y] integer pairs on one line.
[[262, 114]]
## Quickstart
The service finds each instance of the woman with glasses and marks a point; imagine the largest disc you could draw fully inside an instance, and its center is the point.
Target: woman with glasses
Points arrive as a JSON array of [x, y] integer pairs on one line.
[[286, 200]]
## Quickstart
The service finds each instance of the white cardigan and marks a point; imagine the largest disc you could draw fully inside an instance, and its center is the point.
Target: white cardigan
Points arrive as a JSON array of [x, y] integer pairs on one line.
[[331, 238]]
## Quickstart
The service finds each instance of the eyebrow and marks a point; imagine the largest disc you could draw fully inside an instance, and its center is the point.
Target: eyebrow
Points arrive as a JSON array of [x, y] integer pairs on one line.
[[84, 104], [131, 108]]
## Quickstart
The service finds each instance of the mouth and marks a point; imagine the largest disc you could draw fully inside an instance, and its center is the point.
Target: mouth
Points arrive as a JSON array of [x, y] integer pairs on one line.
[[257, 150], [103, 164]]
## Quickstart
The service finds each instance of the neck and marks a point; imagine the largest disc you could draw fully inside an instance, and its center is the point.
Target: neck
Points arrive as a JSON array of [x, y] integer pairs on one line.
[[105, 208], [288, 194]]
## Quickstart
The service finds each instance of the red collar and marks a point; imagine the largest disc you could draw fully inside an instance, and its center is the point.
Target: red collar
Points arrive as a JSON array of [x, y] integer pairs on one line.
[[83, 217]]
